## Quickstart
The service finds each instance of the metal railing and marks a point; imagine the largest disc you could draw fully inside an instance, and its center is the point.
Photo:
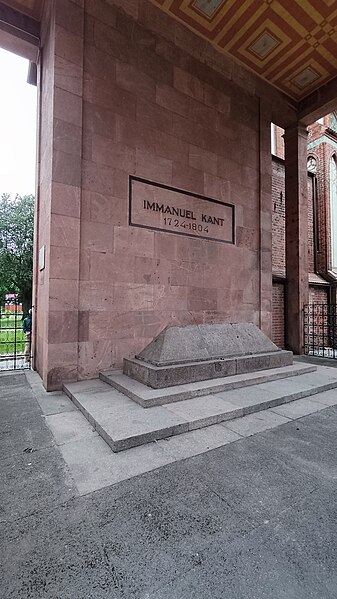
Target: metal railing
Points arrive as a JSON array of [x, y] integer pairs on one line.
[[15, 345], [320, 332]]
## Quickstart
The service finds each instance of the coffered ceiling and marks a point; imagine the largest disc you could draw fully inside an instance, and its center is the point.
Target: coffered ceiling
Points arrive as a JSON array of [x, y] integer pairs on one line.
[[290, 43]]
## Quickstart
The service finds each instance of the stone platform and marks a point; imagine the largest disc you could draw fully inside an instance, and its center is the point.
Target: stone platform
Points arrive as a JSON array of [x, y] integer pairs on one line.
[[123, 423], [148, 398], [180, 355]]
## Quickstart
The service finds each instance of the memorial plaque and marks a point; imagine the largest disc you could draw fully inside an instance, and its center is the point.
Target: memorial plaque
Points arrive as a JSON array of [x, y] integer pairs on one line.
[[163, 208]]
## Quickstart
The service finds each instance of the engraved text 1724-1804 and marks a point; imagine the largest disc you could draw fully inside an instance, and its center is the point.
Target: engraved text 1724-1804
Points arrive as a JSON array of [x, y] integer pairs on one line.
[[164, 208]]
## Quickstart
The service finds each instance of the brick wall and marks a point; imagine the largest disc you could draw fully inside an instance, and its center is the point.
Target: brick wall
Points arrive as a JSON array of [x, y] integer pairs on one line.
[[278, 217], [278, 315], [318, 295], [321, 154], [311, 227]]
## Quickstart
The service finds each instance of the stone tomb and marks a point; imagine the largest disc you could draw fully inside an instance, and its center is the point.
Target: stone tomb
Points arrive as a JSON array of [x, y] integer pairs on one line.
[[187, 354]]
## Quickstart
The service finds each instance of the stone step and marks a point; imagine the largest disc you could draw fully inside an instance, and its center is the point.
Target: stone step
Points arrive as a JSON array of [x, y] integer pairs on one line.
[[123, 423], [148, 397]]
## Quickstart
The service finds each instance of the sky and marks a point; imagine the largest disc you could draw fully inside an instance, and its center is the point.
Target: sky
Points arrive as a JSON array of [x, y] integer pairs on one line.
[[17, 126]]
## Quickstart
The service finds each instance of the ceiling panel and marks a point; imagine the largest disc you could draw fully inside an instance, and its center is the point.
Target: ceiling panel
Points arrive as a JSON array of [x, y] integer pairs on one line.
[[290, 43]]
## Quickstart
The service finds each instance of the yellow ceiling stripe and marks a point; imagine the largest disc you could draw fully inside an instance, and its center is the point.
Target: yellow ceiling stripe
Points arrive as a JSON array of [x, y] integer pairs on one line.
[[310, 10], [293, 63], [245, 24], [288, 18]]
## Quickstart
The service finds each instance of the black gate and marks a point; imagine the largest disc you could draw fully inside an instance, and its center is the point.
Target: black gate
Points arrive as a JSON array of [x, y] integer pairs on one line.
[[320, 334], [15, 344]]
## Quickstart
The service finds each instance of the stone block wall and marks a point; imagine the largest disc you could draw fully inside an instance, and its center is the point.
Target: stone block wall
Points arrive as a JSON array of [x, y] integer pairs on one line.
[[135, 93], [151, 112]]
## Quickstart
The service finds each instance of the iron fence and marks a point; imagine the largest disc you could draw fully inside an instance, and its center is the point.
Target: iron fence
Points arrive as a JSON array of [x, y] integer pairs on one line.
[[15, 344], [320, 333]]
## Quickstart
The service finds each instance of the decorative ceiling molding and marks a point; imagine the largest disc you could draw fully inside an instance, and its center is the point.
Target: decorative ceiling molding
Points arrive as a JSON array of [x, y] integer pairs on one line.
[[292, 44]]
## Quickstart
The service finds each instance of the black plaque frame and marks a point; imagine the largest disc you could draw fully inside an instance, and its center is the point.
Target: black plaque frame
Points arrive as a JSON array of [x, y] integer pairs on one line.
[[184, 192]]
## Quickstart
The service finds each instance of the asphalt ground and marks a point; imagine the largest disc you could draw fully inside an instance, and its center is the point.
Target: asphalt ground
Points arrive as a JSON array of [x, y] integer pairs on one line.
[[254, 519]]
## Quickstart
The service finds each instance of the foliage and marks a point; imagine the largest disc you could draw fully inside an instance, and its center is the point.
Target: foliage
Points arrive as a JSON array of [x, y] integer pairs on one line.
[[16, 246], [11, 341], [8, 322]]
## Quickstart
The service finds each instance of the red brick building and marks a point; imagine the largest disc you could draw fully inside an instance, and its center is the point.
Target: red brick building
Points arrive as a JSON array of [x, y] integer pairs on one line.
[[322, 272]]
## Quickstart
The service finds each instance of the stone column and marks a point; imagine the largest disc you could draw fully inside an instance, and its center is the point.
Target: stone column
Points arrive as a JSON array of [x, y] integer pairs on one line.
[[59, 193], [265, 219], [297, 290]]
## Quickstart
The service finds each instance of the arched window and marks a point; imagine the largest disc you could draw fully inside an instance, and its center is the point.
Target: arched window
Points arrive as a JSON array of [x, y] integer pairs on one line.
[[333, 211], [312, 164]]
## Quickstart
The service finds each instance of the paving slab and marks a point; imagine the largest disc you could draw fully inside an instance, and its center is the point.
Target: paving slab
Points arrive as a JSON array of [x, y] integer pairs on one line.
[[69, 426], [255, 423], [327, 398], [198, 441], [93, 465], [298, 409], [199, 412], [138, 427]]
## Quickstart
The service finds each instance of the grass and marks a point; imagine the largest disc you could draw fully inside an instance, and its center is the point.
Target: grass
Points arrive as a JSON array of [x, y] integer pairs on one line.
[[10, 322], [7, 342]]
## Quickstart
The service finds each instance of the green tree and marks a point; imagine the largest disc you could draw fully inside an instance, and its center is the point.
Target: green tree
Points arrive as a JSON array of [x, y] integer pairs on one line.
[[16, 247]]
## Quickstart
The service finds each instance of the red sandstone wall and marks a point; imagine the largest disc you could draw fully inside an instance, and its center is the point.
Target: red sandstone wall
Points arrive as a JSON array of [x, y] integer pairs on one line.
[[43, 194], [152, 111], [127, 90]]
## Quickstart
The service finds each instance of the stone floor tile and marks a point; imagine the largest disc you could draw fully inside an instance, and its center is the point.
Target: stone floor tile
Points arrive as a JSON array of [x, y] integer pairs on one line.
[[327, 398], [145, 424], [255, 423], [197, 441], [298, 408], [93, 465], [202, 410], [69, 426], [250, 396], [55, 403]]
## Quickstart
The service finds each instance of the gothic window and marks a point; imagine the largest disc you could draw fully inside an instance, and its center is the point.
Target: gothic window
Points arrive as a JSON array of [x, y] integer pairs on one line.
[[333, 211], [312, 165], [333, 121]]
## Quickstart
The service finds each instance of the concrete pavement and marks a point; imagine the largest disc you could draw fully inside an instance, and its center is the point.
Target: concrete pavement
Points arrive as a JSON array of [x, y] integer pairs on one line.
[[253, 518]]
